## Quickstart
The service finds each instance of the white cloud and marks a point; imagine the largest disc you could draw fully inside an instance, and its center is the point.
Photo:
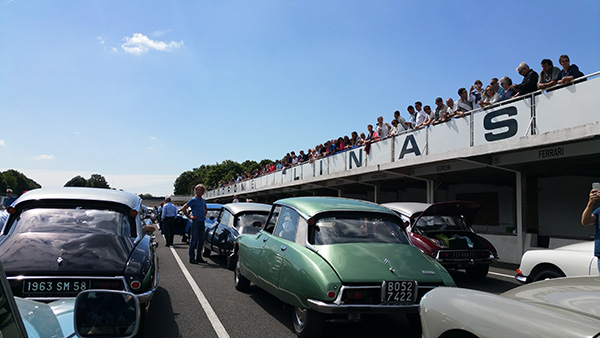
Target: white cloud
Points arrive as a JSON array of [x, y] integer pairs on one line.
[[2, 143], [153, 138], [100, 39], [43, 157], [139, 44]]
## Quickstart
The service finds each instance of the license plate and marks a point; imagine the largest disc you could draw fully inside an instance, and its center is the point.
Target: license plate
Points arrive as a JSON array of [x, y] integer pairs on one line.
[[399, 292], [55, 286]]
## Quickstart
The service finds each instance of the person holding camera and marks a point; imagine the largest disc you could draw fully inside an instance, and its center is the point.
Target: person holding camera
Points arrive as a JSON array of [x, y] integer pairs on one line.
[[591, 216]]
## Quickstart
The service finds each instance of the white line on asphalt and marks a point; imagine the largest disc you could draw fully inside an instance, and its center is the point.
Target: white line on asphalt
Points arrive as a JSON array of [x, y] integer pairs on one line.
[[210, 313], [501, 275]]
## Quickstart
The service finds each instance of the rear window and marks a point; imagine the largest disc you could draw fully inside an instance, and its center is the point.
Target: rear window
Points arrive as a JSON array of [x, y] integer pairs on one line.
[[245, 222], [356, 229], [86, 221], [441, 223]]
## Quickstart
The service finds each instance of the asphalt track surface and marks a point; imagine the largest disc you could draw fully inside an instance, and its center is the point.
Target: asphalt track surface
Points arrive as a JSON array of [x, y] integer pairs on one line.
[[201, 301]]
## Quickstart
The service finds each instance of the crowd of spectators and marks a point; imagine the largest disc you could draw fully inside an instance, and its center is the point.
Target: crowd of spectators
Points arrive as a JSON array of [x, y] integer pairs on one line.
[[477, 97]]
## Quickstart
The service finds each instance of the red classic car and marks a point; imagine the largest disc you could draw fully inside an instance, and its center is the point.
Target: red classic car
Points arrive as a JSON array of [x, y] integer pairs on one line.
[[443, 231]]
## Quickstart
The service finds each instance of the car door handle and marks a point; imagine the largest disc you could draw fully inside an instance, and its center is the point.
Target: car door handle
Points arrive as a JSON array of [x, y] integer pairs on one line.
[[265, 239], [283, 247]]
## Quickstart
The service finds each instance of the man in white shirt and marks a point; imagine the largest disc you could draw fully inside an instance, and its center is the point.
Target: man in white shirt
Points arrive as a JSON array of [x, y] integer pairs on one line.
[[383, 129]]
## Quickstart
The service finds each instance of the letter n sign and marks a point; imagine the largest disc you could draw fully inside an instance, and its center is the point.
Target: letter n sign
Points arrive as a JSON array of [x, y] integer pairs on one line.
[[354, 159], [409, 146], [510, 125]]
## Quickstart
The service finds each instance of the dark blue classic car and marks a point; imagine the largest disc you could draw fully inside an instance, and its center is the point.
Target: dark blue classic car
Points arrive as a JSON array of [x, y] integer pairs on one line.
[[233, 220], [59, 242], [183, 224]]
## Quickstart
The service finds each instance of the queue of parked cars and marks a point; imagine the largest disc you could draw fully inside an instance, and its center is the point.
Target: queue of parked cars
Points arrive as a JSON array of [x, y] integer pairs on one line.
[[326, 257]]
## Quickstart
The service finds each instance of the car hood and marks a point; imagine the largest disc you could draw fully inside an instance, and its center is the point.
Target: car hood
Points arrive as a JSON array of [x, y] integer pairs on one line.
[[370, 262], [40, 253], [466, 209], [54, 319], [575, 294]]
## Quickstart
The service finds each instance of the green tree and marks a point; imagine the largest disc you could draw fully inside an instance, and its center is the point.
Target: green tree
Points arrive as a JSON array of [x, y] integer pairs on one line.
[[76, 181], [17, 181], [97, 181]]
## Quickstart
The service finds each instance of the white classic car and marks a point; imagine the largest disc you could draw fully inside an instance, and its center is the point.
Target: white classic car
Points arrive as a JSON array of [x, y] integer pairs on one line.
[[570, 260], [561, 307]]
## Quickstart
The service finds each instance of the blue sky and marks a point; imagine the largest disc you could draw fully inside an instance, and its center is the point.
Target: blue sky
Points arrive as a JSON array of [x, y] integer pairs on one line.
[[141, 91]]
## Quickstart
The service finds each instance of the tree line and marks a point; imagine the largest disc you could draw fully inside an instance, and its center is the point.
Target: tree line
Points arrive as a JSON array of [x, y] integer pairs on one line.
[[19, 183], [212, 175]]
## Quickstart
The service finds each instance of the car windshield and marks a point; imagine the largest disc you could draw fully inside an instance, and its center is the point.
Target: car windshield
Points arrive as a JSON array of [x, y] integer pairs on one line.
[[71, 221], [343, 229], [245, 222], [441, 223]]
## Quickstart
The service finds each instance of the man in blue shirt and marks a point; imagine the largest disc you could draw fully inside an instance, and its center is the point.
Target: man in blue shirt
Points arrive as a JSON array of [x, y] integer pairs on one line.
[[169, 212], [198, 206], [9, 199], [590, 217]]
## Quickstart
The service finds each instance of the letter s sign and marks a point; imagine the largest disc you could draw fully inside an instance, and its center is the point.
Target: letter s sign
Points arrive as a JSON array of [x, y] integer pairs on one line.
[[510, 126]]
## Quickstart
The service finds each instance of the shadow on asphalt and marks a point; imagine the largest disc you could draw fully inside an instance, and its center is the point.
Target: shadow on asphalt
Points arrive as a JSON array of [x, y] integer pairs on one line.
[[161, 312], [380, 325]]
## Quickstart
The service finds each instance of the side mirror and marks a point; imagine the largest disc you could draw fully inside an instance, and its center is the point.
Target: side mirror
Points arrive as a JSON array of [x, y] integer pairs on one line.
[[106, 313], [257, 224], [212, 218]]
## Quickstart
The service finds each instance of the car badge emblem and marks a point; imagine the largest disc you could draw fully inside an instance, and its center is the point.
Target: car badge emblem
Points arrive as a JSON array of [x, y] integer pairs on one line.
[[392, 269], [59, 260], [428, 272]]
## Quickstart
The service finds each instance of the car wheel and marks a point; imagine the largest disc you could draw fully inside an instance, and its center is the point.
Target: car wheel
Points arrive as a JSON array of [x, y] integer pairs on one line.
[[307, 323], [231, 260], [206, 252], [241, 283], [478, 271], [547, 273]]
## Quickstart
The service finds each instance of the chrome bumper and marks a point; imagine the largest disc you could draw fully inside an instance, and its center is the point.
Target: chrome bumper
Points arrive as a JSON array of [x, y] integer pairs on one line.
[[332, 308]]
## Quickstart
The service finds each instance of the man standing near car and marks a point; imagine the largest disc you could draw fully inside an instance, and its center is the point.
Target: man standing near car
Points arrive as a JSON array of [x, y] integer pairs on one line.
[[590, 217], [169, 212], [198, 206]]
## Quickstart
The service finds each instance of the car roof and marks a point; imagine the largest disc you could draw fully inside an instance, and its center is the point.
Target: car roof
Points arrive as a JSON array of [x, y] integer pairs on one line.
[[83, 194], [407, 208], [310, 206], [214, 206], [236, 208]]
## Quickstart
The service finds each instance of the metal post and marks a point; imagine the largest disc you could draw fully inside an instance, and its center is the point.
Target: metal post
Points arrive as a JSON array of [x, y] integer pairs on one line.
[[519, 215]]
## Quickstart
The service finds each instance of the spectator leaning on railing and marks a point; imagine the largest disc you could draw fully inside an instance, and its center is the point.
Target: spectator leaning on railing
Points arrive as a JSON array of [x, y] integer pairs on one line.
[[490, 96], [509, 92], [569, 71], [548, 75], [496, 85], [530, 79]]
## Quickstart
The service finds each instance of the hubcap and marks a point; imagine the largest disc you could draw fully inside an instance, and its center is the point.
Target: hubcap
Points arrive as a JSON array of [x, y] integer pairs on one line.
[[300, 316]]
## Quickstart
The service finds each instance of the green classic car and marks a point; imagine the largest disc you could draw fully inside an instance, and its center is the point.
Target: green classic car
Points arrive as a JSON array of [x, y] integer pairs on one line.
[[330, 256]]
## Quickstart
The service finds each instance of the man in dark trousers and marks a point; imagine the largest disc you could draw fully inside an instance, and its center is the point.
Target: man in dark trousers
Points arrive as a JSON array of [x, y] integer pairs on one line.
[[169, 212]]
